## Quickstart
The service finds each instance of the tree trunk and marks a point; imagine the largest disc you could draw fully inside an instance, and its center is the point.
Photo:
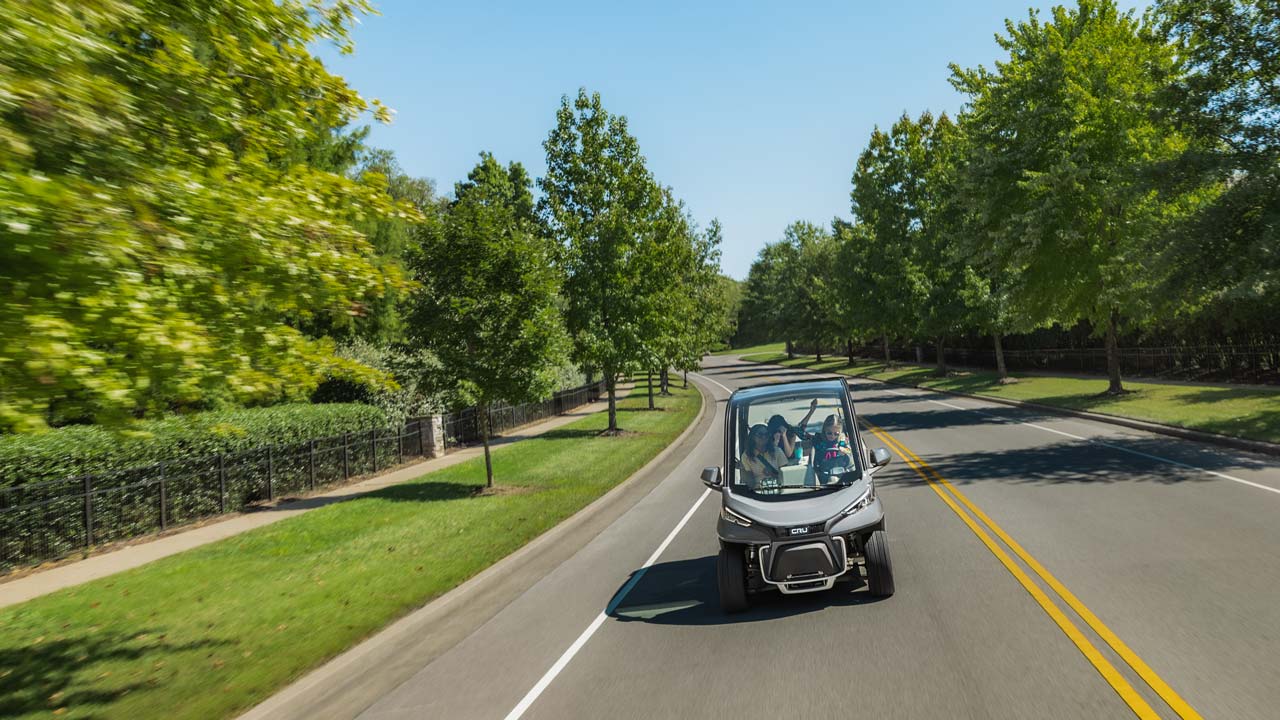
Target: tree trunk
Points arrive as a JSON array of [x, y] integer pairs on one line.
[[1113, 355], [686, 379], [611, 385], [942, 357], [790, 351], [919, 355], [848, 349], [651, 389], [1000, 368], [887, 359], [591, 378], [665, 381], [484, 437], [817, 349]]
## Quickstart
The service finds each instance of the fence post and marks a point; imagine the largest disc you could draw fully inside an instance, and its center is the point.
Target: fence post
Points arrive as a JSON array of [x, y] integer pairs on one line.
[[222, 483], [271, 471], [346, 455], [164, 521], [425, 451], [400, 446], [311, 464], [88, 510], [373, 450]]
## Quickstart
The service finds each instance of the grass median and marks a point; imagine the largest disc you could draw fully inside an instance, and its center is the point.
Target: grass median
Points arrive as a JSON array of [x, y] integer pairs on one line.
[[1240, 412], [212, 631]]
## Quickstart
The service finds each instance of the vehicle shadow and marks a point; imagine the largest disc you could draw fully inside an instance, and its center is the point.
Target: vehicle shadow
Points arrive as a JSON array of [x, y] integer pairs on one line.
[[683, 592]]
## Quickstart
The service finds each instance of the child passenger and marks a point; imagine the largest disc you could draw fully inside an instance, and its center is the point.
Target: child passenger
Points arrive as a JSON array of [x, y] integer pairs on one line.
[[832, 443]]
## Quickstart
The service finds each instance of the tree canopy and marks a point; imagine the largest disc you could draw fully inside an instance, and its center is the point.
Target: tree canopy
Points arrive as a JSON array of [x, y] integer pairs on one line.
[[161, 234]]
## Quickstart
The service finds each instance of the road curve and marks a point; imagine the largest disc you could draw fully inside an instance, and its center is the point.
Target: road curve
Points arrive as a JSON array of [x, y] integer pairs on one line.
[[1045, 567]]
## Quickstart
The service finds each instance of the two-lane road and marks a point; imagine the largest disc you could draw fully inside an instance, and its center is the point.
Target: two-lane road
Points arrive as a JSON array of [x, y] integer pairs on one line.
[[1064, 569]]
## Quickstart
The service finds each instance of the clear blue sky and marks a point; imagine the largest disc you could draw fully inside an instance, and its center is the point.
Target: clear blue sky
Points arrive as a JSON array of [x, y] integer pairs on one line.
[[754, 112]]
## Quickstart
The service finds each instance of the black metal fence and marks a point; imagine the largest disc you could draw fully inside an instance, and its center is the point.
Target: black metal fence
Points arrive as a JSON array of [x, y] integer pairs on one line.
[[1225, 363], [463, 427], [48, 520]]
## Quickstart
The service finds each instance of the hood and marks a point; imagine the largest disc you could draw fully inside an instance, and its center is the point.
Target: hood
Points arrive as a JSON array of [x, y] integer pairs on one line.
[[797, 509]]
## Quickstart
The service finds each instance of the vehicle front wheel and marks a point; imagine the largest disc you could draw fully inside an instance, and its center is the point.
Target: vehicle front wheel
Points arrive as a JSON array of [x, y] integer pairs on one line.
[[731, 575], [879, 567]]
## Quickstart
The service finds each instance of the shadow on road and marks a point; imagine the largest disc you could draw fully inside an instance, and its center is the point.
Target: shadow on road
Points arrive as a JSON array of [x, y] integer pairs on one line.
[[683, 592]]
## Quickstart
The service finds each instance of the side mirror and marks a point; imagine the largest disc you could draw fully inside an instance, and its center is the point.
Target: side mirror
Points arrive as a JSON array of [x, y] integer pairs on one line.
[[879, 458], [711, 477]]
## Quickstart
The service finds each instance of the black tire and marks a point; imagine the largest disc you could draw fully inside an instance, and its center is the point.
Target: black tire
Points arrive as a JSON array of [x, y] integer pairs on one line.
[[731, 576], [879, 566]]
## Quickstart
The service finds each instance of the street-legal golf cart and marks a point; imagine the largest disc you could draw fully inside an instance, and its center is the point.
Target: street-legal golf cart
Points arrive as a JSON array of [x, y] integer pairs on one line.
[[798, 509]]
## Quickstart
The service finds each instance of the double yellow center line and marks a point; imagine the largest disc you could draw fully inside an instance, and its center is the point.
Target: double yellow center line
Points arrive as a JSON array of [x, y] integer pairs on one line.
[[950, 495]]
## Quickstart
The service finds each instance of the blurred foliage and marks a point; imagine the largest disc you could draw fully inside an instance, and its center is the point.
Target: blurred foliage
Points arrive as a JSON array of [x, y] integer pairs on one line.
[[82, 449], [421, 384], [162, 235]]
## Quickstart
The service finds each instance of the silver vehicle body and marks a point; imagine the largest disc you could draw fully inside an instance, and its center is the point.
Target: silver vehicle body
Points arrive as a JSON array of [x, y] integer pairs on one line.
[[803, 542]]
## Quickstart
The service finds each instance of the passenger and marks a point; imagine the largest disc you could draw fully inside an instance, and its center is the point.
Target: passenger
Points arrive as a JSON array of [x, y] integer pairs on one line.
[[786, 436], [832, 443], [762, 460]]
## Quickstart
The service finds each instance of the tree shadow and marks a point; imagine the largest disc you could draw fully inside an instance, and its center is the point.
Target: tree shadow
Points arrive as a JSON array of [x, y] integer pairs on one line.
[[1119, 460], [948, 418], [683, 592], [423, 492], [74, 671]]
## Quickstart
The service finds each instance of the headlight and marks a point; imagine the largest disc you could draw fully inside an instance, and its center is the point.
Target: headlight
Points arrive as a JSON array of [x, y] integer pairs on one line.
[[730, 516], [863, 500]]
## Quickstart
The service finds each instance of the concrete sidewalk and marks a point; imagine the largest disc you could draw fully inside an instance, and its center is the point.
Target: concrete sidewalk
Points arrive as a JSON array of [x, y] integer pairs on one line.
[[26, 587]]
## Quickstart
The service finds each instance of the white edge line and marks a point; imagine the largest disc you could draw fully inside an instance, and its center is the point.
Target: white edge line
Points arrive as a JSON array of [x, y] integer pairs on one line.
[[577, 645], [713, 382], [1095, 441]]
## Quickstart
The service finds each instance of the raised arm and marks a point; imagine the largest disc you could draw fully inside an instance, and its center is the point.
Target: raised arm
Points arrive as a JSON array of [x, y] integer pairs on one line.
[[804, 422]]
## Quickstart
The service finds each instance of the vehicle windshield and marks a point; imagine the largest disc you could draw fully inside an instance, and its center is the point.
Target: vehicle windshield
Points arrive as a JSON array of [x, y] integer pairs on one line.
[[793, 445]]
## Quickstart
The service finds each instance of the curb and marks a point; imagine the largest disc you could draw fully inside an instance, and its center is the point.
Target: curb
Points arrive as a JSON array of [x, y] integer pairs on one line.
[[348, 683], [1258, 446]]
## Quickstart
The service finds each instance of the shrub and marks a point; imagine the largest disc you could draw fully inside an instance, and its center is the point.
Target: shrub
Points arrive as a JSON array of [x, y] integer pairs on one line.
[[85, 449]]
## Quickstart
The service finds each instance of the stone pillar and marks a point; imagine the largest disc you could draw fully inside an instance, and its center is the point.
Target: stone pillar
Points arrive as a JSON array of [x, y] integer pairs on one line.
[[435, 436]]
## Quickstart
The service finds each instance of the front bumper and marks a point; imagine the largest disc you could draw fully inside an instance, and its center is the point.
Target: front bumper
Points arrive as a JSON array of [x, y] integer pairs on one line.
[[809, 562]]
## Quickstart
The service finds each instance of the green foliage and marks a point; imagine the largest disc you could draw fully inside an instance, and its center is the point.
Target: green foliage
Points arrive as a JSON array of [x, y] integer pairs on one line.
[[421, 384], [1224, 263], [618, 226], [487, 308], [1068, 198], [161, 235], [83, 449]]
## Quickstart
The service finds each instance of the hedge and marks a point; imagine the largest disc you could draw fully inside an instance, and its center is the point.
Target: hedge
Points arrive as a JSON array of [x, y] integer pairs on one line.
[[91, 449]]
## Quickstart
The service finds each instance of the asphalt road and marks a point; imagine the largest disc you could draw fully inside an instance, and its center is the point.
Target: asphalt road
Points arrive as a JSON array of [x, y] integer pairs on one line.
[[1067, 569]]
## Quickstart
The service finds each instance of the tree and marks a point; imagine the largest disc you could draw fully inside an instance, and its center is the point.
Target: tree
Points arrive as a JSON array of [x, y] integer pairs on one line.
[[1062, 135], [1223, 262], [160, 232], [597, 198], [891, 285], [487, 302], [763, 314]]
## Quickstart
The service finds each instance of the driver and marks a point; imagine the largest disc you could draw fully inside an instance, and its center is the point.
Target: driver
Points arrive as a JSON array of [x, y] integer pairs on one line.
[[762, 461]]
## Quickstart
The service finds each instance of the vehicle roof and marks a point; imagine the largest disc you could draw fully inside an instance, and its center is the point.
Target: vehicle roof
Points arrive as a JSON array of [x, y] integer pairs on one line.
[[767, 390]]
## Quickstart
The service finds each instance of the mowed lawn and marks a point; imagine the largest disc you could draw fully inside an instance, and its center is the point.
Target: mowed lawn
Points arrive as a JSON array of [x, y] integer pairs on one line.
[[1241, 412], [212, 631]]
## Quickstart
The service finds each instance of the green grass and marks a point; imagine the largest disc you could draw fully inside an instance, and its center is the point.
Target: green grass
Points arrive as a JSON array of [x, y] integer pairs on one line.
[[212, 631], [1240, 412], [770, 348]]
